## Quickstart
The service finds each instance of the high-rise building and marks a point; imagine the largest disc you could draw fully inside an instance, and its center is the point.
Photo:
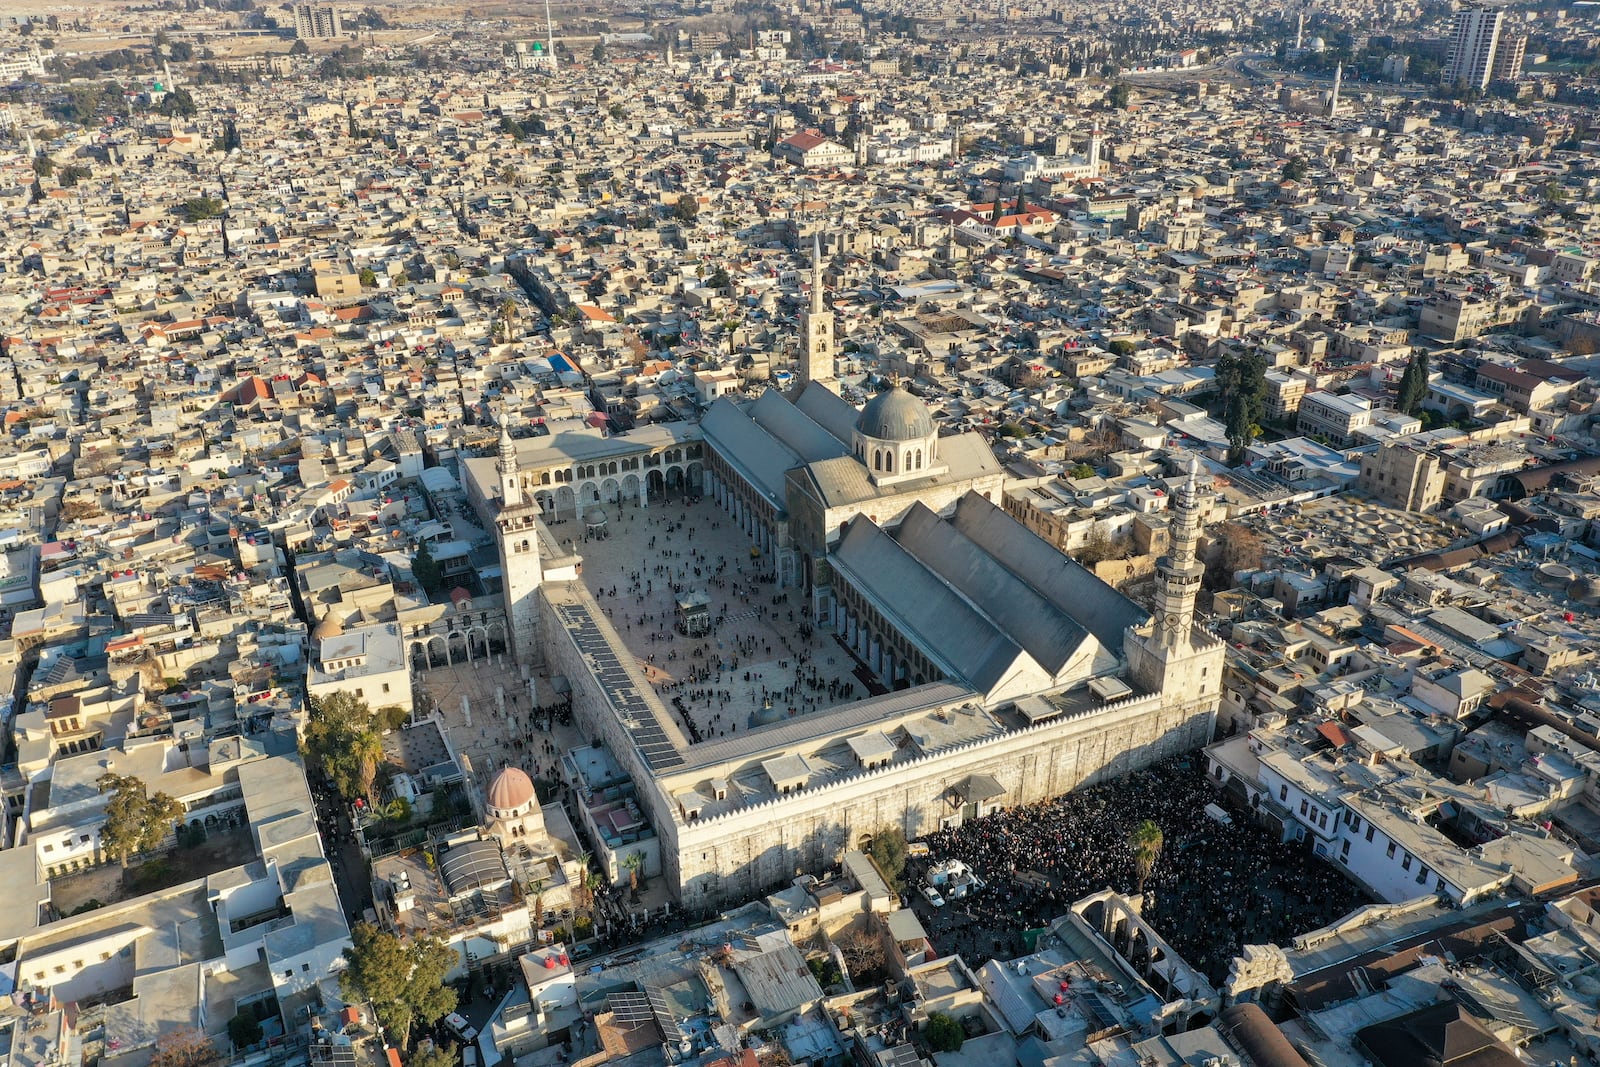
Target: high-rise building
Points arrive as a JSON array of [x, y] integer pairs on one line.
[[314, 21], [1473, 45], [1508, 56]]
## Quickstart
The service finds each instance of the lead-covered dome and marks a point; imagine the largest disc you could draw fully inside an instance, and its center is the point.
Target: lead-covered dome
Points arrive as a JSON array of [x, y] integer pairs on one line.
[[895, 415]]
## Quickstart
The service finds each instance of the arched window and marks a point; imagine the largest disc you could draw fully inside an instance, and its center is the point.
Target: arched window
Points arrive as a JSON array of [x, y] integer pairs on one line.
[[888, 460], [919, 459], [877, 459], [905, 466]]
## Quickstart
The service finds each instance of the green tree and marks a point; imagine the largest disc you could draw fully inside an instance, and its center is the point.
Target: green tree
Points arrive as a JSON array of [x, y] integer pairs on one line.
[[368, 277], [1119, 96], [341, 740], [1296, 169], [1082, 470], [1145, 841], [1413, 385], [200, 208], [633, 863], [888, 851], [136, 820], [366, 752], [444, 1055], [403, 980], [1122, 347], [178, 102], [43, 166], [426, 570], [1242, 381], [244, 1031], [686, 209], [599, 52], [943, 1033], [299, 48], [537, 889]]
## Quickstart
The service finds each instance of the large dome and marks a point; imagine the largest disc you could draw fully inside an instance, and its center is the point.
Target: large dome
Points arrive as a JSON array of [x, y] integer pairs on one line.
[[510, 789], [328, 627], [895, 415]]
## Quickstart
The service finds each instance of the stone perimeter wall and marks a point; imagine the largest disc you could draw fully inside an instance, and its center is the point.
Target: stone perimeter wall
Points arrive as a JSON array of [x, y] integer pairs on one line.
[[733, 857]]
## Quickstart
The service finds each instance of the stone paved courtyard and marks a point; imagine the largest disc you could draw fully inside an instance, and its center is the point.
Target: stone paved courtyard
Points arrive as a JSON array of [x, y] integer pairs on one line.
[[759, 663]]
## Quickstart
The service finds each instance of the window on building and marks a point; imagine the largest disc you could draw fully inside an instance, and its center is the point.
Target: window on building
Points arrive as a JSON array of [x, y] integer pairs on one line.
[[1283, 793], [1390, 853], [1304, 807], [1405, 864], [1370, 829]]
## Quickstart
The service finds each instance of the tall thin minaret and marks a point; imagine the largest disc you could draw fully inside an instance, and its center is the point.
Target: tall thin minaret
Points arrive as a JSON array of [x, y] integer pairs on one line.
[[1333, 98], [1094, 151], [506, 467], [1299, 31], [1179, 572], [521, 563], [1165, 654], [549, 36], [816, 331]]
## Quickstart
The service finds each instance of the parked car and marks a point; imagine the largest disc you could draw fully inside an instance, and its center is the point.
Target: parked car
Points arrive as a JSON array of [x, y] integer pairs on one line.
[[460, 1027], [931, 895]]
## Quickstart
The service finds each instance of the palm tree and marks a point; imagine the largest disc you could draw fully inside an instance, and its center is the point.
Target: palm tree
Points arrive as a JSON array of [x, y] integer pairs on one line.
[[582, 883], [537, 888], [366, 749], [591, 884], [632, 864], [1145, 840]]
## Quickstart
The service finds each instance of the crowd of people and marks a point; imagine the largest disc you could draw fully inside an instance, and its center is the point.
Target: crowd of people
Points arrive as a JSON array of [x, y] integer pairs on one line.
[[1214, 887]]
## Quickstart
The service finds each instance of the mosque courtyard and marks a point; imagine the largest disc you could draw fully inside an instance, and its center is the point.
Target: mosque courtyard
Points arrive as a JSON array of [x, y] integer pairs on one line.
[[758, 661]]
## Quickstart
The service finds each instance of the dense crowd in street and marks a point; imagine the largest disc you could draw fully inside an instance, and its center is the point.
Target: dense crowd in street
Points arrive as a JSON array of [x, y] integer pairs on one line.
[[1214, 887]]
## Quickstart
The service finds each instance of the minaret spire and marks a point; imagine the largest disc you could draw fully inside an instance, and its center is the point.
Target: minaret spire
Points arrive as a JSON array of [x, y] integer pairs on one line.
[[506, 465], [816, 273]]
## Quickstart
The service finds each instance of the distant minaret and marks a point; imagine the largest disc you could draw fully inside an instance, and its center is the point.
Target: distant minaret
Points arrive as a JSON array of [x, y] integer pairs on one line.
[[549, 36], [1300, 31], [166, 72], [816, 331], [861, 149], [669, 55], [1094, 151], [1333, 100]]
